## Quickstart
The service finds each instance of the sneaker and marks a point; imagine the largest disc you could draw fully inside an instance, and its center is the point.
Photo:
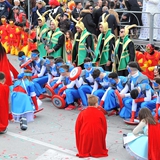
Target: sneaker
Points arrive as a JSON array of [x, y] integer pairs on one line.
[[81, 108], [42, 96], [3, 132], [70, 107]]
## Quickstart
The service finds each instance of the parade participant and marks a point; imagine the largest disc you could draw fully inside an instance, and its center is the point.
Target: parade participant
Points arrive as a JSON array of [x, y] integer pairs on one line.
[[69, 45], [140, 135], [6, 67], [39, 73], [83, 41], [105, 46], [4, 33], [91, 130], [148, 60], [124, 52], [24, 93], [69, 91], [101, 79], [157, 111], [109, 99], [41, 33], [142, 97], [135, 78], [87, 87], [55, 40], [13, 37], [23, 59], [4, 106]]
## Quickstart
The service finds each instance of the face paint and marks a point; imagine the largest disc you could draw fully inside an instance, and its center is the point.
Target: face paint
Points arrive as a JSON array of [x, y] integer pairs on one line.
[[87, 65], [21, 58], [149, 48], [98, 79], [34, 55], [47, 62], [59, 64], [129, 70], [62, 70], [112, 81]]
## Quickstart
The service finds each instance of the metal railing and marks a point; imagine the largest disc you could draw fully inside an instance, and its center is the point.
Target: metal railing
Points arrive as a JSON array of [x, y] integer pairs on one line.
[[151, 25]]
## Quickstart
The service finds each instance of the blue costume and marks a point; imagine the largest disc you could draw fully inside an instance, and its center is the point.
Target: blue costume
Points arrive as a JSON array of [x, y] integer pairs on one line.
[[40, 77], [104, 83], [21, 102], [132, 82], [109, 98], [89, 82]]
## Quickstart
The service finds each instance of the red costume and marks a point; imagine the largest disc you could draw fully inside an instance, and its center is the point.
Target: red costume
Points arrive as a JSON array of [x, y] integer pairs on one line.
[[148, 60], [4, 106], [153, 142], [91, 130], [69, 50], [6, 67]]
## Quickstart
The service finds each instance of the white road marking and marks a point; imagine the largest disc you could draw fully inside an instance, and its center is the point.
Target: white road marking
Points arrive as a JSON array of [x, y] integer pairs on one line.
[[58, 153]]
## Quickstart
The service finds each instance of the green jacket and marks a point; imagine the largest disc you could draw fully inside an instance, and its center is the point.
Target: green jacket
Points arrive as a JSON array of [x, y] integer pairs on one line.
[[104, 55], [52, 41], [41, 32], [82, 53], [124, 59]]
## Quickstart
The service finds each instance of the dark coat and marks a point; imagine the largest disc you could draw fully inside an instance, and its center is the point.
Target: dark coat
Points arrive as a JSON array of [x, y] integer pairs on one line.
[[4, 9], [97, 14], [59, 11], [112, 23], [88, 21], [132, 5], [64, 25], [35, 16]]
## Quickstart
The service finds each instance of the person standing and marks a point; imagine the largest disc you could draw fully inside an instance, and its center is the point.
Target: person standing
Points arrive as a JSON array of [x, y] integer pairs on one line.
[[124, 52], [105, 46]]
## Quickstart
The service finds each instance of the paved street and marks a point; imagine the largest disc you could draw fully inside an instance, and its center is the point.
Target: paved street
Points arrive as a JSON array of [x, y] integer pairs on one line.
[[51, 136]]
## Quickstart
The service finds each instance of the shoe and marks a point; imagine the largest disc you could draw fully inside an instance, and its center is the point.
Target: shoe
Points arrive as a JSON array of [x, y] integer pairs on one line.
[[42, 96], [154, 40], [3, 132], [70, 107], [81, 108]]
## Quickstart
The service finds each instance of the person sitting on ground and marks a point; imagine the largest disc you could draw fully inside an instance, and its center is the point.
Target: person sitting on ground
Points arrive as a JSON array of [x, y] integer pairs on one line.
[[91, 130]]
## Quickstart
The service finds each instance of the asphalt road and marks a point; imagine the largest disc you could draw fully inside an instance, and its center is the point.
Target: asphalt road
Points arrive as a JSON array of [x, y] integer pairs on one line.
[[51, 136]]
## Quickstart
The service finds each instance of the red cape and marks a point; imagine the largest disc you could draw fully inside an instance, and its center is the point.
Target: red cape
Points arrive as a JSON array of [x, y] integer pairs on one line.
[[91, 130], [154, 142], [6, 67], [4, 106]]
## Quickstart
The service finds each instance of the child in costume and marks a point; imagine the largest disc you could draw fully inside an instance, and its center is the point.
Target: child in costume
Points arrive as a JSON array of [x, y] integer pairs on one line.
[[137, 141], [88, 84], [24, 95], [109, 100], [134, 79], [91, 130], [39, 71], [69, 90], [4, 105]]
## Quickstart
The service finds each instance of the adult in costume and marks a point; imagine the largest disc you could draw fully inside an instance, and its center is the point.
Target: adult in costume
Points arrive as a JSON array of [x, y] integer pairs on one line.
[[124, 52], [148, 60], [4, 105], [55, 40], [91, 130], [41, 33], [82, 42], [105, 46]]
